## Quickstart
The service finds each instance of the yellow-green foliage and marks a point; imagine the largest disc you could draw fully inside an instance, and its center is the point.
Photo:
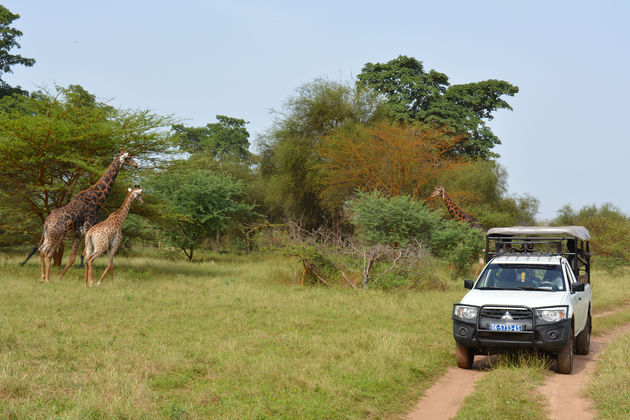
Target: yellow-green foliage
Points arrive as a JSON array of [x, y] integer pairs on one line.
[[230, 337], [609, 228]]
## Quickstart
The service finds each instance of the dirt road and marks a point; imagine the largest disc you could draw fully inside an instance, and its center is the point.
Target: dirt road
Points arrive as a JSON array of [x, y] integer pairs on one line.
[[445, 397], [564, 392]]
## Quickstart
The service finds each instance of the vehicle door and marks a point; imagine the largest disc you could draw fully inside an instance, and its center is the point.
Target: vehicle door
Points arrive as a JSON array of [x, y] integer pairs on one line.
[[579, 300]]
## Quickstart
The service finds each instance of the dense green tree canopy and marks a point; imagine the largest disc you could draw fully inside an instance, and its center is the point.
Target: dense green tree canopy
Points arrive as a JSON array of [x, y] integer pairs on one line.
[[54, 145], [227, 139], [8, 41], [197, 204], [413, 94]]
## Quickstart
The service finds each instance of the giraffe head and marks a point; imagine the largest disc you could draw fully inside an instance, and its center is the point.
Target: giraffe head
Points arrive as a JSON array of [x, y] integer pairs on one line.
[[136, 193], [125, 159], [439, 191]]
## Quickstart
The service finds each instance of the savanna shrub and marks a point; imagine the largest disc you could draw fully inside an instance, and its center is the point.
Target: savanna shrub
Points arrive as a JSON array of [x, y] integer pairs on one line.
[[391, 220]]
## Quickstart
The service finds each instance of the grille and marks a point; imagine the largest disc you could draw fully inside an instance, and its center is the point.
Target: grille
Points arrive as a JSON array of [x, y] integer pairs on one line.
[[515, 313], [505, 336]]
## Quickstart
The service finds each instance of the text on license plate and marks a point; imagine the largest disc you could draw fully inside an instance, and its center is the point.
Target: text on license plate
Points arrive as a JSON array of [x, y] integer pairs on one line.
[[507, 327]]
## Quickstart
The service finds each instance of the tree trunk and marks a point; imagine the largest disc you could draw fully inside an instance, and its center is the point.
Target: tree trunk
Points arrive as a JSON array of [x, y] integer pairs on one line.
[[218, 244], [58, 255]]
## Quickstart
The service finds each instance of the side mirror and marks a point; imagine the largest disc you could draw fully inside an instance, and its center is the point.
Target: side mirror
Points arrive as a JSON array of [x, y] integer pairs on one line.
[[577, 287], [468, 284]]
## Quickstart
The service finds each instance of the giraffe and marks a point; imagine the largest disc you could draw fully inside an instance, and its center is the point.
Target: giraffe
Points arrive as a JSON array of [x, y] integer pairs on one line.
[[454, 210], [76, 217], [107, 235], [461, 216]]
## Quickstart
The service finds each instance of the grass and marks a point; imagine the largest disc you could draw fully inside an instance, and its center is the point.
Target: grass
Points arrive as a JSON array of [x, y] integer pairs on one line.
[[610, 388], [509, 390], [230, 337]]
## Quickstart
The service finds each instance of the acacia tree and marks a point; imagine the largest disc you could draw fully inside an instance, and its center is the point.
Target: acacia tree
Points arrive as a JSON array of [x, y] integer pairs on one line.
[[8, 41], [54, 145], [415, 95], [392, 159]]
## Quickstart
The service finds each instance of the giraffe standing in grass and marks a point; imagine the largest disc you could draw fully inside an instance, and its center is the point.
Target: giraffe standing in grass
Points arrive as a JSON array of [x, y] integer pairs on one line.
[[76, 217], [461, 216], [107, 235]]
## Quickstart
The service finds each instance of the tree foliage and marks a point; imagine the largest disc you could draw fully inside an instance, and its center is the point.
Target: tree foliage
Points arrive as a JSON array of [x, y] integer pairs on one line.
[[393, 159], [609, 228], [415, 95], [8, 41], [288, 154], [227, 139], [480, 188], [53, 146], [197, 204]]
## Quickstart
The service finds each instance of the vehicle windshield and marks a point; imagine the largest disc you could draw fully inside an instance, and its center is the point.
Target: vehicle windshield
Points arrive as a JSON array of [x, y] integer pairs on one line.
[[522, 277]]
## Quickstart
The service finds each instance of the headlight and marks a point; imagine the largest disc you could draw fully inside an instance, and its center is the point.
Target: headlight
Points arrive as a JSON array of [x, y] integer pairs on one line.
[[465, 312], [552, 314]]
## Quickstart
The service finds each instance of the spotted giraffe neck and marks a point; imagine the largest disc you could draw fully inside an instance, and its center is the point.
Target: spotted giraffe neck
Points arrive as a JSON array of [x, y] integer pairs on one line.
[[119, 216], [103, 186]]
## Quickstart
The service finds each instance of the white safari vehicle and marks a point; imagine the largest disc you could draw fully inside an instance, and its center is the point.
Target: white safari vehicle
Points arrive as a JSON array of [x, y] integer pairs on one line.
[[534, 293]]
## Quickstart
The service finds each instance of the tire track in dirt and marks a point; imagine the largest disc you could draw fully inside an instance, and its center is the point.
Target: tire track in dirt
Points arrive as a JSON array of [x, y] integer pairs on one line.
[[443, 400], [564, 392]]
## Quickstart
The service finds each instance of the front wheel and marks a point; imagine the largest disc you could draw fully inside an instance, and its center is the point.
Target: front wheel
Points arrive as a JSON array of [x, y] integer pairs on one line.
[[565, 356], [583, 340], [465, 356]]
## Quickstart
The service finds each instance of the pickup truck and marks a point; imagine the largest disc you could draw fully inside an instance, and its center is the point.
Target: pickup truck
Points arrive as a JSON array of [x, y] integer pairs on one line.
[[533, 294]]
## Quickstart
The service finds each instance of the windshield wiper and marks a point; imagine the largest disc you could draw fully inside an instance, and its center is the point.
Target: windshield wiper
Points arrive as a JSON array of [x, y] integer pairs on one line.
[[528, 288], [489, 287]]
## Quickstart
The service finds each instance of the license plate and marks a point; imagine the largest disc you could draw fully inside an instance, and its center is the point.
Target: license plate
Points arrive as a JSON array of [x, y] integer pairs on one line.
[[507, 327]]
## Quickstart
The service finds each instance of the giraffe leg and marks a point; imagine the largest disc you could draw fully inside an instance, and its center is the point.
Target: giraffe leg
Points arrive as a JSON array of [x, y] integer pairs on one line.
[[73, 256], [88, 271], [112, 252], [43, 264], [47, 278]]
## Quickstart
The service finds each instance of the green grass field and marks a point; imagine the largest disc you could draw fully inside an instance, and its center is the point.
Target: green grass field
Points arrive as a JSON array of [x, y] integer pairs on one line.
[[230, 337]]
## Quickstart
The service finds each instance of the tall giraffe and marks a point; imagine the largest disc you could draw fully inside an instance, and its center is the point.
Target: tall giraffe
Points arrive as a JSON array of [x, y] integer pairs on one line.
[[454, 210], [78, 216], [107, 235]]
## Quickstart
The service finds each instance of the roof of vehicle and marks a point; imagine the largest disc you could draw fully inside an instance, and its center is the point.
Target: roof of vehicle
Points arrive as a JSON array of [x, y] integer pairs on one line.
[[527, 259], [579, 232]]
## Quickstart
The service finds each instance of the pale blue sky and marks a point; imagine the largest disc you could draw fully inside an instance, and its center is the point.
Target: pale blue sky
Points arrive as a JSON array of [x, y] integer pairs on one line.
[[197, 59]]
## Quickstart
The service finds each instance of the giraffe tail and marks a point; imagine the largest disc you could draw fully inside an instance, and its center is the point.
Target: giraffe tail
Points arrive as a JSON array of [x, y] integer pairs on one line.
[[33, 251]]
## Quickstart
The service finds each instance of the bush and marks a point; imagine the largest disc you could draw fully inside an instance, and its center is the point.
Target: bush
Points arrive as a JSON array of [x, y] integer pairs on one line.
[[391, 220]]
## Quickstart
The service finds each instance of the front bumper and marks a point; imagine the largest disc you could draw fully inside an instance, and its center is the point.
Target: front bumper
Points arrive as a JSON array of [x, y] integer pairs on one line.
[[544, 337]]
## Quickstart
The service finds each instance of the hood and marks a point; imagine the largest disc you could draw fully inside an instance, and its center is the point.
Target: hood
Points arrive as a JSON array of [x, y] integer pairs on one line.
[[532, 299]]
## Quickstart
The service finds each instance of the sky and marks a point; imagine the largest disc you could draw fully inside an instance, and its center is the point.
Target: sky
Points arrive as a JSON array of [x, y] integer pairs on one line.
[[565, 141]]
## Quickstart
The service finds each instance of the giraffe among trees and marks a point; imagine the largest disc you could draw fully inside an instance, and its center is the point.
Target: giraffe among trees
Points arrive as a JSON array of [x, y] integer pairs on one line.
[[460, 215], [77, 217], [455, 211], [107, 235]]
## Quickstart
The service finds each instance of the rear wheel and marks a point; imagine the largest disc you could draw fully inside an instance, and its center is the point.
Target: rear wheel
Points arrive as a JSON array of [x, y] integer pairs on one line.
[[583, 340], [465, 356], [565, 356]]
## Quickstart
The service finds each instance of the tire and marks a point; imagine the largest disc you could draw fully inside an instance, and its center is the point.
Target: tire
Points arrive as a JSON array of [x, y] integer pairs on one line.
[[583, 340], [465, 356], [565, 356]]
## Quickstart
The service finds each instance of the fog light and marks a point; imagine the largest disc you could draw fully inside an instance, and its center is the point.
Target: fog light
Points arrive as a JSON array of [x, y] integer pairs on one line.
[[463, 332], [553, 335]]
